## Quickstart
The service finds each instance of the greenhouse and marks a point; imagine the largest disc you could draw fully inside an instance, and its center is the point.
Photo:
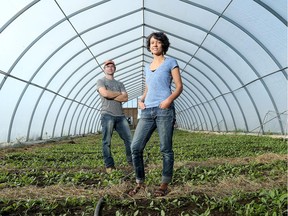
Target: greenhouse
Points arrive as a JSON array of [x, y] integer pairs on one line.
[[232, 57]]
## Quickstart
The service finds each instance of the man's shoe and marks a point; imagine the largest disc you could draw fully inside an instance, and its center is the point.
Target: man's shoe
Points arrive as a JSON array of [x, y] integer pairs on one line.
[[110, 169]]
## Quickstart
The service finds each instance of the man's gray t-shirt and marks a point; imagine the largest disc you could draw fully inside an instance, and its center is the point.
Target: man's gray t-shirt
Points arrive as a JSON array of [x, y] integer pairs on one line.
[[110, 106]]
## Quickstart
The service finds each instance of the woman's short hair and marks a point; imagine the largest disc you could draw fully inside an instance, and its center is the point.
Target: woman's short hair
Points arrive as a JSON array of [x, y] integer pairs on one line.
[[161, 36]]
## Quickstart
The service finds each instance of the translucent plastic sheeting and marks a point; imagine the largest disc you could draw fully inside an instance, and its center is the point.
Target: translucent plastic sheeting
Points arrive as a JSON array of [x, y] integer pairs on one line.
[[232, 55]]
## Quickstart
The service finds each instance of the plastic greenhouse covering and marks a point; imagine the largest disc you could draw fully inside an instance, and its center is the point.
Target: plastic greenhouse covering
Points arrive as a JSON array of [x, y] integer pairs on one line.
[[232, 56]]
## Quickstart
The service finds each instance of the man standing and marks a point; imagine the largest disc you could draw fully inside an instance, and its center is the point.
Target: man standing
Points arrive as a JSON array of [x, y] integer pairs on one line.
[[112, 94]]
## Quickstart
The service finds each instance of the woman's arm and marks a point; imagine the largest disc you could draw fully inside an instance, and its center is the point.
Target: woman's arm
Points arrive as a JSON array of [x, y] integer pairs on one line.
[[141, 102], [178, 89]]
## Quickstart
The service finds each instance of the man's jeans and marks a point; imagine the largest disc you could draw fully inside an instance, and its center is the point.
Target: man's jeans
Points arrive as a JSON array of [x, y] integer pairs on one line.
[[120, 124], [163, 120]]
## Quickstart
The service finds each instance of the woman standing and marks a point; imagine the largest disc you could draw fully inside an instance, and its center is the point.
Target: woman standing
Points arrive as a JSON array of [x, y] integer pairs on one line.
[[157, 111]]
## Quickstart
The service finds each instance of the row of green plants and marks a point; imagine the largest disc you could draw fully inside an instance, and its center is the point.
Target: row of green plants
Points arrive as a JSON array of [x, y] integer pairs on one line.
[[191, 147], [266, 202], [182, 175], [201, 160]]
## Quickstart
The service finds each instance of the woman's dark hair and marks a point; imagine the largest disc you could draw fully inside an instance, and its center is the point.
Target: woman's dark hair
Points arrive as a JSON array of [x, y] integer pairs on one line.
[[161, 37]]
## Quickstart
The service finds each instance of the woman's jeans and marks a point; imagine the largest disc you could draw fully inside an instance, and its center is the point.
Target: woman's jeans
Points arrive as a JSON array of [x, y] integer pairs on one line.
[[120, 124], [163, 120]]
